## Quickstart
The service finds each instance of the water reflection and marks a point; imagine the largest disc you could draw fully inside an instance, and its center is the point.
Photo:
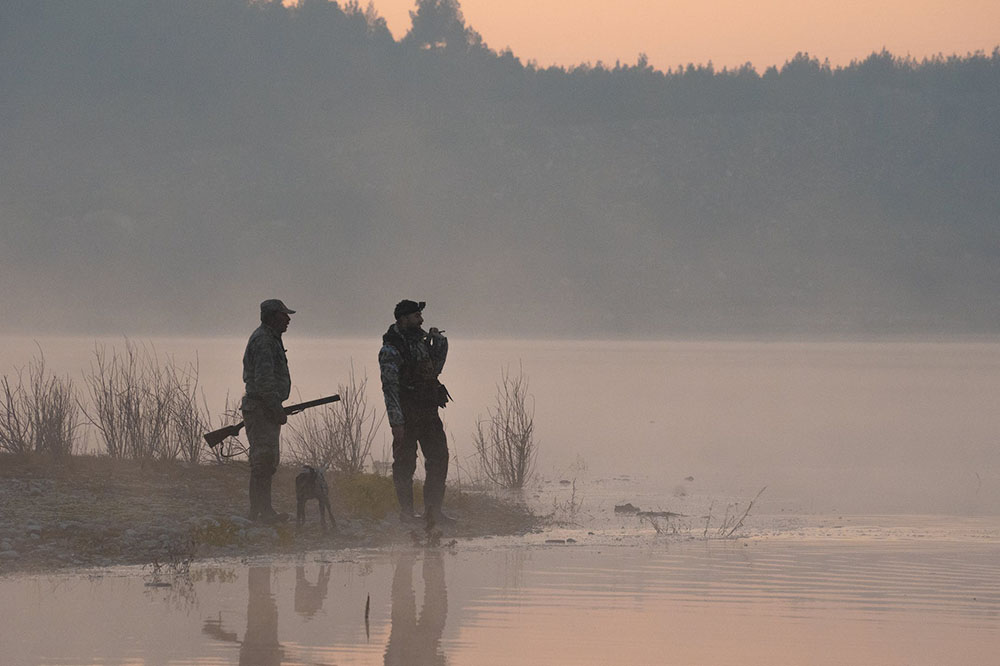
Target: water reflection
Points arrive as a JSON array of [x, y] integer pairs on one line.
[[260, 646], [414, 635], [260, 643], [892, 597], [309, 598], [415, 640]]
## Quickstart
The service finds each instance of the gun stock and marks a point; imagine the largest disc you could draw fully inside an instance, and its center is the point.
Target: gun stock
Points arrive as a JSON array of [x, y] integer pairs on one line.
[[216, 437]]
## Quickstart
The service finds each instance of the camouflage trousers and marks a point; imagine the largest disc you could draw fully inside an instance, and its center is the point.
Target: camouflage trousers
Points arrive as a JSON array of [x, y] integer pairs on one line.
[[264, 436], [423, 426]]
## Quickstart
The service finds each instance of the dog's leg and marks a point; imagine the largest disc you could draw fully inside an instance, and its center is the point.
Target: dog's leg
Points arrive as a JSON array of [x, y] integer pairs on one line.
[[300, 510], [325, 502]]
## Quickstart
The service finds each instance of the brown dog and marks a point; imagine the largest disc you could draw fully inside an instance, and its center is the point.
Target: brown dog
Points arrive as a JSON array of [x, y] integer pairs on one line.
[[311, 484]]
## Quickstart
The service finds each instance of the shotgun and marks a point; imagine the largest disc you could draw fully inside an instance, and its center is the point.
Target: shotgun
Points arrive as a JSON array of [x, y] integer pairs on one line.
[[216, 437]]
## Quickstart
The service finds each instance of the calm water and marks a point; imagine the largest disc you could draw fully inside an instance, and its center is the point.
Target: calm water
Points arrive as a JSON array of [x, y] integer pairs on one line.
[[757, 601]]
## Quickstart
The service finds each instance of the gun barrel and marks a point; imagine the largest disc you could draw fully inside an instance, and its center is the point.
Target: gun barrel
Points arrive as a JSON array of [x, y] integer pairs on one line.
[[292, 409]]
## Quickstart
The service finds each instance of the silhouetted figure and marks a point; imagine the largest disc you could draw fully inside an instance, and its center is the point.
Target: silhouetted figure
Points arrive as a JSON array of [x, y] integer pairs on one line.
[[410, 361], [268, 384], [413, 640], [309, 598], [259, 646]]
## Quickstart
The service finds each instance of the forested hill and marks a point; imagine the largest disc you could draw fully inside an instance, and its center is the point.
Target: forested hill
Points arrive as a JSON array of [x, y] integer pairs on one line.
[[165, 165]]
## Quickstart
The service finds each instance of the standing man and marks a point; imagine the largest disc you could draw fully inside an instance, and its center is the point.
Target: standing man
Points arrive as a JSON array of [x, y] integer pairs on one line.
[[409, 362], [265, 372]]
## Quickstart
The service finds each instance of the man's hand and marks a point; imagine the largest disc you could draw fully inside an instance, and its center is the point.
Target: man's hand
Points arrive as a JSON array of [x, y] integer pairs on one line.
[[278, 414], [398, 431], [435, 333]]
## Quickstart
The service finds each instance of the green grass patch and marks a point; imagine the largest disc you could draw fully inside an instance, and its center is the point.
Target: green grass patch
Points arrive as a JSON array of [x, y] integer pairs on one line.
[[367, 495]]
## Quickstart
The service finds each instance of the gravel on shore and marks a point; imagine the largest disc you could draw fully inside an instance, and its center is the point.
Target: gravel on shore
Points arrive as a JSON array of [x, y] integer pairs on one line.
[[95, 511]]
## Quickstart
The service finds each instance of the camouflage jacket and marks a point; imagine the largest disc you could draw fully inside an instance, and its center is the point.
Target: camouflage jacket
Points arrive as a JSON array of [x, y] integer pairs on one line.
[[265, 370], [403, 376]]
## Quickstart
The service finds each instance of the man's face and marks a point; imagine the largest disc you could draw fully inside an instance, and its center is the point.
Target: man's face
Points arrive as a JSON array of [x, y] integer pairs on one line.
[[279, 321], [412, 320]]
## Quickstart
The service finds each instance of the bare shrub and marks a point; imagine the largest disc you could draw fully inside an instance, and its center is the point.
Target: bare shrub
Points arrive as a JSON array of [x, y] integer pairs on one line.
[[15, 428], [38, 414], [55, 413], [567, 510], [189, 414], [338, 435], [120, 407], [145, 408], [505, 440]]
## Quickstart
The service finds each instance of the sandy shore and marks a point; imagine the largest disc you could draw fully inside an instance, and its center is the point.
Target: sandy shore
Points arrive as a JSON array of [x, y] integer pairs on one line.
[[94, 511]]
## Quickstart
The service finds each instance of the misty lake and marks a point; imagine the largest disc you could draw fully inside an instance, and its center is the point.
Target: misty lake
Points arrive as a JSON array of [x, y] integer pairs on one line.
[[875, 541]]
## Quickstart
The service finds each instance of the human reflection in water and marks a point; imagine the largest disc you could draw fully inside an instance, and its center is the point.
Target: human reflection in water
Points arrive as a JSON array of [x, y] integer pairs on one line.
[[259, 646], [309, 598], [260, 642], [417, 641]]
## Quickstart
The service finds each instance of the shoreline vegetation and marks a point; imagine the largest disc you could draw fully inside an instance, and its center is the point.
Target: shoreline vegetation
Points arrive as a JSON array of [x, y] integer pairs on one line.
[[96, 511], [157, 494]]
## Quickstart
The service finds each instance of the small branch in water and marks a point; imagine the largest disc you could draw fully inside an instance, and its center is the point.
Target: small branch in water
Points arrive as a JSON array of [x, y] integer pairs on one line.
[[739, 523], [368, 605], [726, 522]]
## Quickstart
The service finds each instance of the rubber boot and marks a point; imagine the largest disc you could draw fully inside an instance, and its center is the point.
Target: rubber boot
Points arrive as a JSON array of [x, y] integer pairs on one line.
[[433, 501], [437, 518], [404, 495], [255, 497], [267, 513]]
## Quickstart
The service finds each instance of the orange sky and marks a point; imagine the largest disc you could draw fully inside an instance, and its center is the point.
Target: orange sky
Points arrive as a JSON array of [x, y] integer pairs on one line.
[[727, 32]]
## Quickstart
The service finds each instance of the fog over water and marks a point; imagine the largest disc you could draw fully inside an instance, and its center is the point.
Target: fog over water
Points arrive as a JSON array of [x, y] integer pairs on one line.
[[827, 427]]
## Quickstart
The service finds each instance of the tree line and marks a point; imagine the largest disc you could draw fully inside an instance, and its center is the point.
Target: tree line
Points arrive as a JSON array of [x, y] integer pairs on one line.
[[186, 143]]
